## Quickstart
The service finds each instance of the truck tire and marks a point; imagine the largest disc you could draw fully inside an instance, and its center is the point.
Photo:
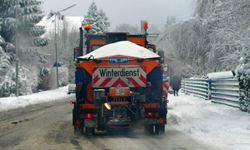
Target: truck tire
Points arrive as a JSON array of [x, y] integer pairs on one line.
[[78, 130], [89, 131], [148, 129], [157, 129], [160, 128]]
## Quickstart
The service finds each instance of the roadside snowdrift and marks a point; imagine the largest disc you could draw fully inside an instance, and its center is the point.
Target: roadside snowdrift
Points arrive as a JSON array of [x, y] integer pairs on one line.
[[219, 125], [8, 103]]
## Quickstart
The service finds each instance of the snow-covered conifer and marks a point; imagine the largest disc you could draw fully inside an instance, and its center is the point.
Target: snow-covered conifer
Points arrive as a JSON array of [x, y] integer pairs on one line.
[[5, 62], [20, 18], [104, 24], [97, 20], [8, 83]]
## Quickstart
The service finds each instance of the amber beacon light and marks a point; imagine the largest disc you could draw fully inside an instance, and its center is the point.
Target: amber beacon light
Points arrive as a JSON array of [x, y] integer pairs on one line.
[[87, 27], [145, 25]]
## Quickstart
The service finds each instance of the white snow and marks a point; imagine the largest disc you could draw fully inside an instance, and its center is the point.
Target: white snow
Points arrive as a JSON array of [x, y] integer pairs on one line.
[[220, 126], [220, 75], [124, 48], [214, 124], [8, 103]]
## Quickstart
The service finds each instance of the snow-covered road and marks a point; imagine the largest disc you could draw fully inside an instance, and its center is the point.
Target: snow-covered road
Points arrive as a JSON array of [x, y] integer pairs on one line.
[[49, 126], [191, 121]]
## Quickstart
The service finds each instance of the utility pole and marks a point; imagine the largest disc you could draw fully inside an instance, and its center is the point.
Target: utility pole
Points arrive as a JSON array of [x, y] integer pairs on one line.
[[57, 78], [16, 41]]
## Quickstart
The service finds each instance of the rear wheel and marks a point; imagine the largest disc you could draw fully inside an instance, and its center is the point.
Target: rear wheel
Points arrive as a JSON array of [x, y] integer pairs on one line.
[[78, 130], [157, 129], [148, 129], [89, 131], [161, 128]]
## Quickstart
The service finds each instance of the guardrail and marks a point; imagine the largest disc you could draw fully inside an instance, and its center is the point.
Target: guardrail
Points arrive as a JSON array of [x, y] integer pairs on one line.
[[226, 91], [222, 91], [196, 86]]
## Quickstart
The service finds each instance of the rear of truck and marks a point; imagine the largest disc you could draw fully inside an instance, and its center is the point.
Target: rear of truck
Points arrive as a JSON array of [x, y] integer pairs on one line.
[[119, 85]]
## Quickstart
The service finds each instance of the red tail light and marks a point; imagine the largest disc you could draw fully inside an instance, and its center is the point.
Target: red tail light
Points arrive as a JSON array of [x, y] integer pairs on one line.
[[88, 116], [77, 123], [152, 114]]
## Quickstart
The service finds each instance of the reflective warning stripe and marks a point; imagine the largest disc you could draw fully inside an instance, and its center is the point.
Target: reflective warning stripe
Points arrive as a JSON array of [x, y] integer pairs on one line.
[[165, 89], [120, 77]]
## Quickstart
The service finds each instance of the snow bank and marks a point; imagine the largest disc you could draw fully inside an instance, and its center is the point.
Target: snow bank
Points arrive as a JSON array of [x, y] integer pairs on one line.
[[41, 97], [220, 126], [125, 48], [220, 75]]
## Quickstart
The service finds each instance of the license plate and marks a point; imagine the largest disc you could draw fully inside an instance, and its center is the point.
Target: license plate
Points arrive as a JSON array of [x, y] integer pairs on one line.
[[150, 121], [120, 92]]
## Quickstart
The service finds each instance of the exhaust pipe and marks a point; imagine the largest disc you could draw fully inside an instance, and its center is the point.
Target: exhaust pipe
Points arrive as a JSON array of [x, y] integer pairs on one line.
[[81, 42]]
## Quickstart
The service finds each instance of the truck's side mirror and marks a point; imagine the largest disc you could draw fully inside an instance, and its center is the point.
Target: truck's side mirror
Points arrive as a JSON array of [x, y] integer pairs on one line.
[[161, 54], [76, 53]]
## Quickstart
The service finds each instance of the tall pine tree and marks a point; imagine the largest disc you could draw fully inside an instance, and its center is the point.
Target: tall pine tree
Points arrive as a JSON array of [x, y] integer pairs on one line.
[[104, 24], [19, 20], [97, 19]]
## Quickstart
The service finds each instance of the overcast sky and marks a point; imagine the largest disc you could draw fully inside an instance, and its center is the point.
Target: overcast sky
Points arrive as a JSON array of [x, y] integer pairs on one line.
[[126, 11]]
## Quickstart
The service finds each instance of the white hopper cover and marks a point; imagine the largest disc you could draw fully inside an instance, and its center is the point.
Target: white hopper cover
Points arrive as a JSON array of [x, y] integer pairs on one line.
[[124, 48]]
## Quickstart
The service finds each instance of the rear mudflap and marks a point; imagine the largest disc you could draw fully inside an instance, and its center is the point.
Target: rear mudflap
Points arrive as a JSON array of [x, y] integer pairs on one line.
[[153, 121], [162, 119], [92, 123], [85, 122]]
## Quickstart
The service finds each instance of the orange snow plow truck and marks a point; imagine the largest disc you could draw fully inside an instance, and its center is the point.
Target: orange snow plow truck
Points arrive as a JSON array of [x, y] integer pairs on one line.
[[119, 84]]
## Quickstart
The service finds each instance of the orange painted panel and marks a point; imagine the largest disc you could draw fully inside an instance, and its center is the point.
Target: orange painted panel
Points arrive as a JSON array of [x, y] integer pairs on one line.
[[119, 103], [152, 105], [92, 106], [89, 106], [119, 92], [150, 64]]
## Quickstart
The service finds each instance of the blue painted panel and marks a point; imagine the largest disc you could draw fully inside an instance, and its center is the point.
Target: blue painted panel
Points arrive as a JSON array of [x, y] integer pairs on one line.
[[118, 60]]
